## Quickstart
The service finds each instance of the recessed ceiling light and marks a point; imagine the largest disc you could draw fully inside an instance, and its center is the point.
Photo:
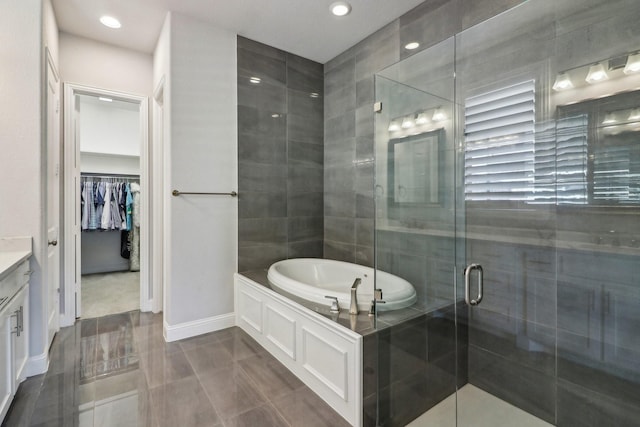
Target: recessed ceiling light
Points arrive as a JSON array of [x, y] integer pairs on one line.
[[255, 80], [110, 21], [412, 45], [340, 8]]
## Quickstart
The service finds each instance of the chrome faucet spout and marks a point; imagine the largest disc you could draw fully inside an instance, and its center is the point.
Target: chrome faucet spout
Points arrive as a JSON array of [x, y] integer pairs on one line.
[[353, 307]]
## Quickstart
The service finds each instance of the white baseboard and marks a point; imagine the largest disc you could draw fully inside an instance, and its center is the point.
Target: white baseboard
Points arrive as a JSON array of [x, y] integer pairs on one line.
[[37, 365], [198, 327]]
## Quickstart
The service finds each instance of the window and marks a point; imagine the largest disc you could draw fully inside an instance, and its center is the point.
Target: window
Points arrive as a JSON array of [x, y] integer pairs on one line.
[[500, 144]]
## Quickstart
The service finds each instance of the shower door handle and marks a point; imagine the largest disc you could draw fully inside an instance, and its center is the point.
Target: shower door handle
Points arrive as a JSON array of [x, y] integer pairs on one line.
[[467, 284]]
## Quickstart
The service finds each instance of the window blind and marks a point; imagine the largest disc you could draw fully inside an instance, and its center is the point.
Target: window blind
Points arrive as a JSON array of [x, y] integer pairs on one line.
[[561, 155], [500, 144]]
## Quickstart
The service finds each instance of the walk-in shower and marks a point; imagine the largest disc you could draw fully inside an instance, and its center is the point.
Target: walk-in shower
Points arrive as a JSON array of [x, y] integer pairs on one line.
[[515, 146]]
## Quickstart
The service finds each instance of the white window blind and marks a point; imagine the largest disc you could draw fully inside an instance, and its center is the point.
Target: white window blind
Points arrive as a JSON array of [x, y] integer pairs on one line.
[[500, 144], [561, 155], [614, 179]]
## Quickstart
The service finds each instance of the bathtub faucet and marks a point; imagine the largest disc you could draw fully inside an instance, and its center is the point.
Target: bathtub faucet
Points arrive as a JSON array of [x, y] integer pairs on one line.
[[353, 308]]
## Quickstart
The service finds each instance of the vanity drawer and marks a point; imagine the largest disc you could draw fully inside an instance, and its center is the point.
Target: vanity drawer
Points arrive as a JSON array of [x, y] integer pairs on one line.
[[12, 283]]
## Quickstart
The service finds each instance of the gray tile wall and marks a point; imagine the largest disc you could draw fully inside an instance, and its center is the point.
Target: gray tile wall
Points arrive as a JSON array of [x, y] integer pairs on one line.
[[349, 141], [280, 156], [557, 332]]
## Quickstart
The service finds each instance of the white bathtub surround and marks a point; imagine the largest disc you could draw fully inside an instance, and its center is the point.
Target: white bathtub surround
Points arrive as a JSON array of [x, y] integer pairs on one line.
[[313, 279], [326, 356]]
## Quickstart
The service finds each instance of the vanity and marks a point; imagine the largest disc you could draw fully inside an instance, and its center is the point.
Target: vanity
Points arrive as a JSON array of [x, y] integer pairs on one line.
[[14, 316]]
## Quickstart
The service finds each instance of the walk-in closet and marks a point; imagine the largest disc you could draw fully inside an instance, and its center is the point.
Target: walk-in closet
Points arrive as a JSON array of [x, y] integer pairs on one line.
[[109, 134]]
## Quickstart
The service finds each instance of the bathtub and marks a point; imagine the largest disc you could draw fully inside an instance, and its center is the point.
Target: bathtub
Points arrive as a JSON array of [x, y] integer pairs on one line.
[[313, 278]]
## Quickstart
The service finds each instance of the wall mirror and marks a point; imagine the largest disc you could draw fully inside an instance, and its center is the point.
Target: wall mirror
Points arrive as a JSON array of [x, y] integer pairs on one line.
[[599, 145], [414, 169]]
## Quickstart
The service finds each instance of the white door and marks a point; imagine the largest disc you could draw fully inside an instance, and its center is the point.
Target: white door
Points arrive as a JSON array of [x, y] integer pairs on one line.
[[53, 201]]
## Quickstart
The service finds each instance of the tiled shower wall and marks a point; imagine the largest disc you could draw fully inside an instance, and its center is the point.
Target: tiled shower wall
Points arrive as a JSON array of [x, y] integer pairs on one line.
[[349, 98], [280, 156]]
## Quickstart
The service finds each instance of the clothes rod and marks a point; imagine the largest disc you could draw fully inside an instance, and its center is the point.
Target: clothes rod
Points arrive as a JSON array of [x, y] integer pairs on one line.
[[179, 193], [108, 175]]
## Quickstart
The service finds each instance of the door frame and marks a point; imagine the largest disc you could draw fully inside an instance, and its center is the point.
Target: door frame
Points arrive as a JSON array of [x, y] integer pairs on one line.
[[53, 266], [72, 253]]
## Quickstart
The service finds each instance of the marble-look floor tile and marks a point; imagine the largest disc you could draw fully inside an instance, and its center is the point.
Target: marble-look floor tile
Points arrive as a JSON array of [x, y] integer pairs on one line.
[[209, 357], [241, 345], [263, 416], [119, 371], [183, 403], [272, 377], [303, 408], [231, 391], [162, 367], [199, 340]]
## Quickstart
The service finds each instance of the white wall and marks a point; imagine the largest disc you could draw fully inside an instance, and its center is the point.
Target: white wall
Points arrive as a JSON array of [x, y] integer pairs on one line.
[[109, 127], [202, 230], [91, 63], [109, 136], [22, 161]]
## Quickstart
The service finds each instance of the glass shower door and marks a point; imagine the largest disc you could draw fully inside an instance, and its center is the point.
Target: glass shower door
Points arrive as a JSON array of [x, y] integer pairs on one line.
[[417, 368]]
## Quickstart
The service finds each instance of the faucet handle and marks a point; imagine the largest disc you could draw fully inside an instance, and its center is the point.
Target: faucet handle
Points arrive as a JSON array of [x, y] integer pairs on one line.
[[372, 307], [335, 307]]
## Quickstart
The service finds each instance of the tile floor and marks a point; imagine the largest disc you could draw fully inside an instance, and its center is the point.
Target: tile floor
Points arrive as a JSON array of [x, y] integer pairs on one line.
[[476, 408], [110, 293], [118, 371]]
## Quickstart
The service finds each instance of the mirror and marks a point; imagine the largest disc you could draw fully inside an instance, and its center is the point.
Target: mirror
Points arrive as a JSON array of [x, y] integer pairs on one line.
[[414, 168], [608, 130]]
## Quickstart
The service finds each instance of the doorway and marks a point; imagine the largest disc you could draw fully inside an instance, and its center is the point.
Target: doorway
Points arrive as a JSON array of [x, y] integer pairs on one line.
[[106, 203]]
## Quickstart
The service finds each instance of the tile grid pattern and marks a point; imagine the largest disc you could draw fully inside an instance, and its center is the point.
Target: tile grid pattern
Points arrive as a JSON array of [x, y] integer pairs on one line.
[[280, 149], [219, 379]]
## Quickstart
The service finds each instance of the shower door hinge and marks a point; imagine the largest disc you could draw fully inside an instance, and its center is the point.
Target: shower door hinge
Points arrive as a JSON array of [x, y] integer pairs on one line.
[[377, 107]]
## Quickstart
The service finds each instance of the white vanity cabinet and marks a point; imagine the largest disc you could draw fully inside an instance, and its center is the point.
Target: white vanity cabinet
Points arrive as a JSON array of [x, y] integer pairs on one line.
[[18, 322], [6, 370], [14, 331]]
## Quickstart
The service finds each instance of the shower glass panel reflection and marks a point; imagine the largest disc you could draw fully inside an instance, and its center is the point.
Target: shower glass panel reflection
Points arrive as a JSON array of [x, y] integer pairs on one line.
[[536, 179], [415, 235]]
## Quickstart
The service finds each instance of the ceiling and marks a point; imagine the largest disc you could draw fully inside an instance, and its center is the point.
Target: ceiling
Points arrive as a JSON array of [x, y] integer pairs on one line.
[[302, 27]]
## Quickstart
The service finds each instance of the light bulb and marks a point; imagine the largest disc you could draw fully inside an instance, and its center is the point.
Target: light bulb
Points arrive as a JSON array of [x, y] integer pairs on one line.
[[439, 115], [596, 74], [408, 122], [394, 125], [633, 64], [422, 119], [412, 45], [635, 114], [609, 118], [563, 82]]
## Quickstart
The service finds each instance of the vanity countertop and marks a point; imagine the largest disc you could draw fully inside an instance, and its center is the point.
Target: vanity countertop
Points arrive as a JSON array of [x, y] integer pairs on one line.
[[13, 251]]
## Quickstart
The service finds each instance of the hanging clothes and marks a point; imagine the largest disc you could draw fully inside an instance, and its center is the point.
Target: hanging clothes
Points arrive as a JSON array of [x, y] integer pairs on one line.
[[106, 204], [134, 259]]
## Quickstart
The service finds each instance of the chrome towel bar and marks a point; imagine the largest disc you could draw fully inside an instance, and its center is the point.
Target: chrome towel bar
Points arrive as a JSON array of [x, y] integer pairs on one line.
[[179, 193]]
